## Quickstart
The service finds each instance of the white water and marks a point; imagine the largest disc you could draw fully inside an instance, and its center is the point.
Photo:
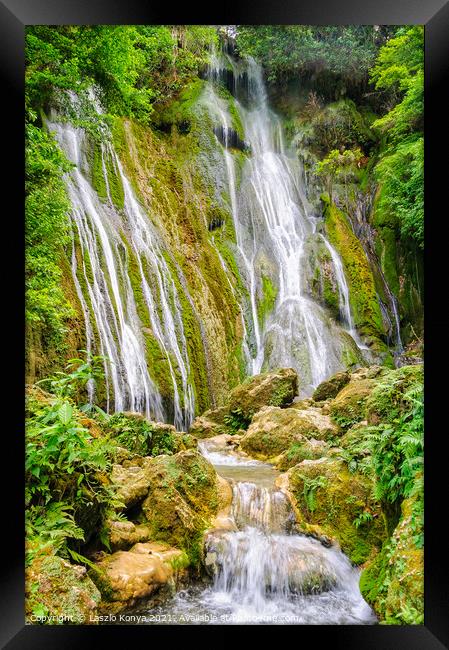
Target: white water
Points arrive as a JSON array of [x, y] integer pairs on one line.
[[108, 301], [262, 573], [272, 221]]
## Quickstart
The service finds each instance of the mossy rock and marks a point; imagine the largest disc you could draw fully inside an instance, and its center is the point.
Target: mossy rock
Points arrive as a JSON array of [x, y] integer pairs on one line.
[[274, 430], [365, 306], [55, 588], [393, 582], [331, 387], [349, 406], [306, 450], [123, 534], [328, 499], [135, 432], [387, 400], [182, 499], [275, 388]]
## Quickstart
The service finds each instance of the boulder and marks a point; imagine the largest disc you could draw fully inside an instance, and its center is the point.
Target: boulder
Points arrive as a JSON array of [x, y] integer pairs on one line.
[[331, 387], [127, 577], [131, 484], [349, 406], [328, 499], [274, 430], [55, 588], [182, 498], [202, 427], [144, 437], [307, 450], [276, 388], [124, 534]]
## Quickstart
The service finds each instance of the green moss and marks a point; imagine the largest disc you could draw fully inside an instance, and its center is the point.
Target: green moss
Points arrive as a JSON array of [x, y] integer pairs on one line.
[[349, 406], [392, 583], [386, 402], [98, 178], [339, 498], [362, 292], [182, 500], [266, 304], [58, 589]]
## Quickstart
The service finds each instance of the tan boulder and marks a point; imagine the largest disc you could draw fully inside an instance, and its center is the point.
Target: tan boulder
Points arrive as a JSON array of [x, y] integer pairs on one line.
[[126, 577], [349, 406], [131, 484], [124, 534], [202, 427], [331, 387]]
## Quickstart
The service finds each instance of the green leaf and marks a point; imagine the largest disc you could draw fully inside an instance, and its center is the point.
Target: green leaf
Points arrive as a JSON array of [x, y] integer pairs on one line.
[[65, 413]]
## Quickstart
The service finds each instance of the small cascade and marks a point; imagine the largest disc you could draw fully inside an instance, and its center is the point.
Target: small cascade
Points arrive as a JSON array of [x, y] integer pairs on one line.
[[261, 570], [261, 507], [108, 238]]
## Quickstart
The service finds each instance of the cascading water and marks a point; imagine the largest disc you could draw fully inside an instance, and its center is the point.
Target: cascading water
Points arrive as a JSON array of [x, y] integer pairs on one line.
[[262, 572], [272, 222], [106, 236]]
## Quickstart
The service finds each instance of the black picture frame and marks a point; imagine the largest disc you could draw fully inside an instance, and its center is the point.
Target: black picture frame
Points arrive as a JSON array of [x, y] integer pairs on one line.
[[434, 14]]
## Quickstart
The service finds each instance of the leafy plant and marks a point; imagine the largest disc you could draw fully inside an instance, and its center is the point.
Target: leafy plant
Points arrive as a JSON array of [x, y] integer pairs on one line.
[[236, 420], [49, 527], [311, 485], [363, 518]]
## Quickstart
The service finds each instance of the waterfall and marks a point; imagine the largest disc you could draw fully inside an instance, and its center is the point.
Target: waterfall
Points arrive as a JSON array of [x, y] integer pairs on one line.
[[108, 237], [261, 570], [273, 222]]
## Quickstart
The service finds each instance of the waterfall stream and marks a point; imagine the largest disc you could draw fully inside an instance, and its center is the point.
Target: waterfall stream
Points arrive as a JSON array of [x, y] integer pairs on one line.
[[108, 236], [262, 571], [272, 221]]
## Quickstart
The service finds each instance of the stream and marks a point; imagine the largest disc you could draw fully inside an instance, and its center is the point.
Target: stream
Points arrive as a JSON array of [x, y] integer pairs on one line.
[[264, 573]]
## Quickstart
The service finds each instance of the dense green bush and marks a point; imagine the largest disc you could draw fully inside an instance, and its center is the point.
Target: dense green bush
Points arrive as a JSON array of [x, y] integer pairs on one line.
[[66, 464]]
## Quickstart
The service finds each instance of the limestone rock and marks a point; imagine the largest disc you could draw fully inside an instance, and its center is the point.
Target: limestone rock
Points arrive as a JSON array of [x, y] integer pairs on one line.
[[202, 427], [125, 577], [276, 388], [182, 497], [124, 534], [131, 483], [307, 450], [349, 406], [331, 387], [274, 430], [327, 499]]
